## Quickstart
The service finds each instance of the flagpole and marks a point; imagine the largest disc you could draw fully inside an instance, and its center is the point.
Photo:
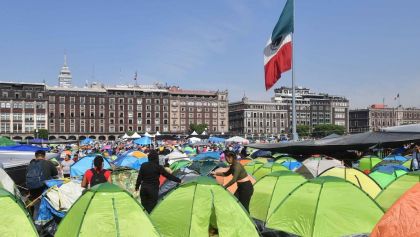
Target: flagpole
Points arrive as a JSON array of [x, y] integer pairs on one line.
[[295, 135]]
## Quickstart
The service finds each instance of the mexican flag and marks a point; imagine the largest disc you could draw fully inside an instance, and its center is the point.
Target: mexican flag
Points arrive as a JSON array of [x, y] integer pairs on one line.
[[278, 51]]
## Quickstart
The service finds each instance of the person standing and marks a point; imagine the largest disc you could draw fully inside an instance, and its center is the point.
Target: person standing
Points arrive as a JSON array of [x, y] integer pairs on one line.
[[38, 171], [65, 166], [148, 178], [240, 177], [96, 175], [415, 163]]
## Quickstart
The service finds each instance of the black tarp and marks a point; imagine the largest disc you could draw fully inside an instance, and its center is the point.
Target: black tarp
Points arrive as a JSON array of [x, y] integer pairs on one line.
[[332, 146]]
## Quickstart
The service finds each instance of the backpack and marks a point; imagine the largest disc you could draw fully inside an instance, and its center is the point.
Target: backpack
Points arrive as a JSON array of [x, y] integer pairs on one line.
[[35, 175], [97, 178]]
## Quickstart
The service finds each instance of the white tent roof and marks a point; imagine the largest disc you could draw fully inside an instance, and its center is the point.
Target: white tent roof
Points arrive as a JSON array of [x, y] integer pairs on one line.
[[157, 133], [135, 135], [176, 155], [194, 139], [237, 139], [6, 182], [204, 133], [194, 133], [125, 136], [147, 134], [313, 167]]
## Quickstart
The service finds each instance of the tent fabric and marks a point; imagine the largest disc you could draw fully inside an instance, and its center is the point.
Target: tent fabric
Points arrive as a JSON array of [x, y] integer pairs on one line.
[[360, 141], [135, 136], [266, 169], [125, 136], [253, 166], [7, 183], [407, 164], [15, 219], [87, 141], [356, 177], [403, 218], [23, 148], [260, 153], [396, 158], [238, 139], [396, 189], [290, 163], [184, 174], [385, 178], [217, 140], [194, 133], [409, 128], [179, 164], [270, 190], [325, 206], [194, 207], [204, 167], [176, 155], [144, 141], [207, 155], [194, 140], [312, 167], [131, 159], [106, 210], [4, 141], [367, 163], [79, 168]]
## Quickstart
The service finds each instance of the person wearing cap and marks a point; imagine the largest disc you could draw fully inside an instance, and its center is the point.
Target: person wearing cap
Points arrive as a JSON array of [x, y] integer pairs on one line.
[[148, 178]]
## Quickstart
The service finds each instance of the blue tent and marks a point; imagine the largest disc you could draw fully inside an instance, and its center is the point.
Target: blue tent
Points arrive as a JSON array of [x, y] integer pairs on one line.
[[217, 140], [396, 158], [292, 164], [143, 141], [390, 168], [23, 148], [207, 155], [87, 141], [130, 161], [261, 153], [81, 166]]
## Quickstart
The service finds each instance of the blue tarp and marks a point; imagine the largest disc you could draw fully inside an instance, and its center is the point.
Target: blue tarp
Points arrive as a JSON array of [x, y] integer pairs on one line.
[[23, 148], [143, 141], [130, 161], [207, 155], [217, 140], [87, 141], [396, 158], [82, 165]]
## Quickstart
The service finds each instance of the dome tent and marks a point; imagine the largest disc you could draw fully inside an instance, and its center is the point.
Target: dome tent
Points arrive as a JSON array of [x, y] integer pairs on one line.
[[267, 168], [384, 178], [366, 163], [396, 189], [403, 218], [196, 206], [253, 166], [325, 206], [106, 210], [270, 191], [314, 166], [15, 220], [356, 177]]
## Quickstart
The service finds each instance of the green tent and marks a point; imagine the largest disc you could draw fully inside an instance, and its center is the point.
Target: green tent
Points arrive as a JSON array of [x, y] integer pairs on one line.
[[271, 190], [268, 168], [198, 206], [407, 164], [383, 179], [396, 189], [368, 162], [4, 141], [106, 210], [285, 159], [253, 166], [326, 206], [180, 164], [14, 219]]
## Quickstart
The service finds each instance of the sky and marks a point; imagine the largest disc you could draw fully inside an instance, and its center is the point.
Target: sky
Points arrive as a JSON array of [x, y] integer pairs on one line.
[[365, 50]]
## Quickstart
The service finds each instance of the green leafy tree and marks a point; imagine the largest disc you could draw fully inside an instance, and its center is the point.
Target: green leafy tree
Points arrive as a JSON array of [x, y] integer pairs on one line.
[[130, 133], [41, 133], [303, 130], [323, 130], [198, 128]]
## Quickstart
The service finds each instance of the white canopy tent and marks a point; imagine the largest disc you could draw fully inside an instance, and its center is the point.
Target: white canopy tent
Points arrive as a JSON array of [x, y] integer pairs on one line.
[[175, 156], [135, 135], [204, 133], [147, 134], [125, 136], [194, 139], [238, 140], [157, 133], [194, 133]]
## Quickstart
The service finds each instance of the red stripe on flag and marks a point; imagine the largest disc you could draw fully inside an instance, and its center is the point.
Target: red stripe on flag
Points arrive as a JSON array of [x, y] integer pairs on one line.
[[279, 63]]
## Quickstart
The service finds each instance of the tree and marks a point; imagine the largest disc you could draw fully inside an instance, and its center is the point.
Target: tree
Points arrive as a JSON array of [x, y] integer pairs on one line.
[[198, 128], [303, 130], [324, 130], [41, 133], [130, 133]]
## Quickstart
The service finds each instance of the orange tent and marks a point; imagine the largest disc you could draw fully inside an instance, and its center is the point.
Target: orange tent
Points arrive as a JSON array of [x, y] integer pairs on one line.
[[224, 180], [403, 218]]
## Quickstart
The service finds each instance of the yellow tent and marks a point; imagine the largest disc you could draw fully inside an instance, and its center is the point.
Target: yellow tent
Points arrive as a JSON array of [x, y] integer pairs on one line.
[[356, 177]]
